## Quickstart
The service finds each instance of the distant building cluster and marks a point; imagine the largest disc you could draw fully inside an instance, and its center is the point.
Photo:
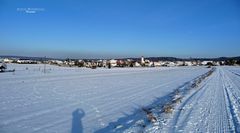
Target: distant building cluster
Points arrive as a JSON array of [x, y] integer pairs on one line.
[[141, 62]]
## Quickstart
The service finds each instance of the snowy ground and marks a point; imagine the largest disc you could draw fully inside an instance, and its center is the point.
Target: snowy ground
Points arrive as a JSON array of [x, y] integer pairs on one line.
[[78, 99], [214, 106]]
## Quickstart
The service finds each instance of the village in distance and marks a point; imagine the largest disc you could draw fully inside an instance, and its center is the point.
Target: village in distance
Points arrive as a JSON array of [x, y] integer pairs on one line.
[[127, 62]]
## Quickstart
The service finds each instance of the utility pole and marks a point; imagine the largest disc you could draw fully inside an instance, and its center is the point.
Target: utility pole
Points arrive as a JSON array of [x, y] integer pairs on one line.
[[44, 65]]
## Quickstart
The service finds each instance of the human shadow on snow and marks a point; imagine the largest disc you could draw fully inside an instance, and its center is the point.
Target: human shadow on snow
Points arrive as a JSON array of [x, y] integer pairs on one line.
[[77, 116]]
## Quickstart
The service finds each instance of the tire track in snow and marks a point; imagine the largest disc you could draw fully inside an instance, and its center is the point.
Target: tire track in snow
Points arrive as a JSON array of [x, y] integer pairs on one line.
[[205, 110], [187, 104], [233, 100], [233, 114]]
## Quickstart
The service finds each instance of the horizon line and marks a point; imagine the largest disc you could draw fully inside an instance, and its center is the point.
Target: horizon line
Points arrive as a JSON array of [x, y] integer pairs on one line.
[[121, 57]]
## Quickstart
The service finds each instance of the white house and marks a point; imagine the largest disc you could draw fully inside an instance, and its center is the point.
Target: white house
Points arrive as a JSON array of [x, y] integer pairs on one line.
[[151, 64], [104, 63], [26, 62], [157, 63], [113, 62], [179, 63], [188, 63], [171, 64], [136, 64], [6, 60], [205, 62], [58, 62]]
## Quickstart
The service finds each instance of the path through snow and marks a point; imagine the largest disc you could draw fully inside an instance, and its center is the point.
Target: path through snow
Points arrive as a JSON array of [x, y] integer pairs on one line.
[[213, 107]]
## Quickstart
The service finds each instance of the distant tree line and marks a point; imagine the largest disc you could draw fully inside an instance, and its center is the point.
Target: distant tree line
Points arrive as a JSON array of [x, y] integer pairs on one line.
[[231, 62]]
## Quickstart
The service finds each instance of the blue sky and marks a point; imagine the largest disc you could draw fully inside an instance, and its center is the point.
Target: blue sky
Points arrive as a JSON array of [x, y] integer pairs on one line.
[[120, 28]]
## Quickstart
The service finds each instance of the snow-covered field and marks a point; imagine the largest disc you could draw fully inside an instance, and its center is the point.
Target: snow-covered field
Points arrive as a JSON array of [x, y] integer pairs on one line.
[[73, 100]]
